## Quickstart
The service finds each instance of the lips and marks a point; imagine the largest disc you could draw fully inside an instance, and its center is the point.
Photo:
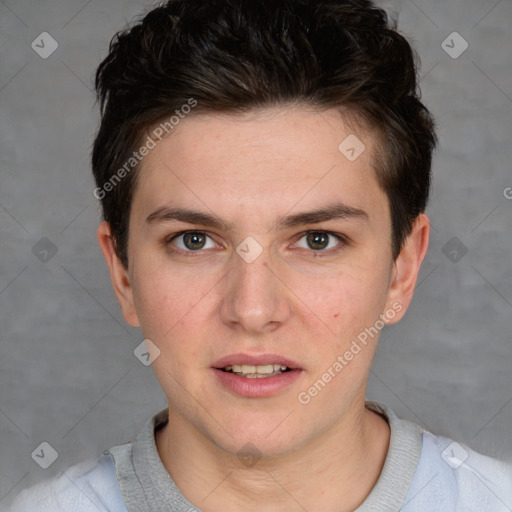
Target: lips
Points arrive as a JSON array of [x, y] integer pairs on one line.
[[254, 385], [256, 360]]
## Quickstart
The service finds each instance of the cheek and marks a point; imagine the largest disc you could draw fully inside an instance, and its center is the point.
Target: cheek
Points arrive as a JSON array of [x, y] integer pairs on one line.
[[167, 300], [343, 303], [171, 320]]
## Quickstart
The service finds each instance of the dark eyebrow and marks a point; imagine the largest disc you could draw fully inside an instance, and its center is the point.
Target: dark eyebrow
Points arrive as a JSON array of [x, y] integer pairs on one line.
[[164, 213], [329, 212]]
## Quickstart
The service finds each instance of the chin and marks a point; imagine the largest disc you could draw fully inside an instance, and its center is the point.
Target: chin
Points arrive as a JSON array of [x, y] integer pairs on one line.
[[264, 439]]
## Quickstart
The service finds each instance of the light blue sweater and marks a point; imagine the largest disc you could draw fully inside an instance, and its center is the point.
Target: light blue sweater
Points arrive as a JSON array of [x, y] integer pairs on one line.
[[423, 472]]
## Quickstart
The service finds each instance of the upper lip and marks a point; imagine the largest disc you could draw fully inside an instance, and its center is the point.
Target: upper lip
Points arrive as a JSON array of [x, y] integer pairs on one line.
[[255, 360]]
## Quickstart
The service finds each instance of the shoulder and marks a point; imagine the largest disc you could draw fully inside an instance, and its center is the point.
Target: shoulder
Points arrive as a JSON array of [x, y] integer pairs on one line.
[[452, 477], [90, 485]]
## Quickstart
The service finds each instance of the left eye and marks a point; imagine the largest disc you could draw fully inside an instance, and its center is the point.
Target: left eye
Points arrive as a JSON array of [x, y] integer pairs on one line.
[[319, 240], [192, 241]]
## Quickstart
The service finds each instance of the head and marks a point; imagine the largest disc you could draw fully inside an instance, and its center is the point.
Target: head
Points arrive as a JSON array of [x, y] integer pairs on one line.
[[242, 111]]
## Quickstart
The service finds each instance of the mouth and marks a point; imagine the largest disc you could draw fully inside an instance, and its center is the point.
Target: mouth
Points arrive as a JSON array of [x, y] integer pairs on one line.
[[256, 372], [258, 376]]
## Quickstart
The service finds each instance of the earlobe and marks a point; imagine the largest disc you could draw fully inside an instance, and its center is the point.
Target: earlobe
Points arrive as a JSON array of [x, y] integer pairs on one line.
[[407, 266], [118, 274]]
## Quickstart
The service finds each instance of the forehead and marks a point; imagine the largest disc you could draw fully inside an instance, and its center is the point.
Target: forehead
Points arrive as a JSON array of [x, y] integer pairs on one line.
[[269, 160], [295, 131]]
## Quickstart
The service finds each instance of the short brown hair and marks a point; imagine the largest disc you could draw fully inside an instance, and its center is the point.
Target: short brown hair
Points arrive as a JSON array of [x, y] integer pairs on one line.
[[233, 56]]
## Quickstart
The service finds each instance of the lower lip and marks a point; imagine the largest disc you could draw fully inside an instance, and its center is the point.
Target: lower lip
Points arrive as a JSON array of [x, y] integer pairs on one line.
[[257, 387]]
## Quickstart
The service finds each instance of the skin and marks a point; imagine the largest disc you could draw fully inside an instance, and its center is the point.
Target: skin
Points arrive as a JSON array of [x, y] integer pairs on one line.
[[250, 170]]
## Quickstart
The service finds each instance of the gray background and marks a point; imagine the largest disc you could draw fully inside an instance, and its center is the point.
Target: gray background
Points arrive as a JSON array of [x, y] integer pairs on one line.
[[68, 373]]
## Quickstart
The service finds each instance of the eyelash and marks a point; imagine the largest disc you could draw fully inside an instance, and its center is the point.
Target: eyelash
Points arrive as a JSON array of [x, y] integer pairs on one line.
[[316, 254]]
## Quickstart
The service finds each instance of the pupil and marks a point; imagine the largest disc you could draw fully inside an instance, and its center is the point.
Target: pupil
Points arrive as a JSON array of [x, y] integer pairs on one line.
[[315, 239], [193, 238]]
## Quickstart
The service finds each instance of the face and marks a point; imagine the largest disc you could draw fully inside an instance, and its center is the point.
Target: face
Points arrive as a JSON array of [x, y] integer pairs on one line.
[[230, 265]]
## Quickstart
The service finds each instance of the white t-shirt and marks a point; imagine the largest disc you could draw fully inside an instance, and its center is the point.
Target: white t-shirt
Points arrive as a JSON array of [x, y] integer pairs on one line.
[[422, 472]]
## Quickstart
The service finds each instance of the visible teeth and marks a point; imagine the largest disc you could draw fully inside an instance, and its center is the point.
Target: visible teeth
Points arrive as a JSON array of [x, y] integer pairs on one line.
[[268, 368], [249, 370]]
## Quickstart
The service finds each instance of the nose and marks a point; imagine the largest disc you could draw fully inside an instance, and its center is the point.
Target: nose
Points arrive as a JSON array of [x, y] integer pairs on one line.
[[255, 299]]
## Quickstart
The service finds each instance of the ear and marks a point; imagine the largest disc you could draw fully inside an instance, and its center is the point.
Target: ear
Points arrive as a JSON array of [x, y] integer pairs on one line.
[[118, 275], [406, 268]]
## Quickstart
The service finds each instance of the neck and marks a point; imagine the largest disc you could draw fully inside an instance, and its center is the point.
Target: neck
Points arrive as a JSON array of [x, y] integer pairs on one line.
[[335, 472]]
